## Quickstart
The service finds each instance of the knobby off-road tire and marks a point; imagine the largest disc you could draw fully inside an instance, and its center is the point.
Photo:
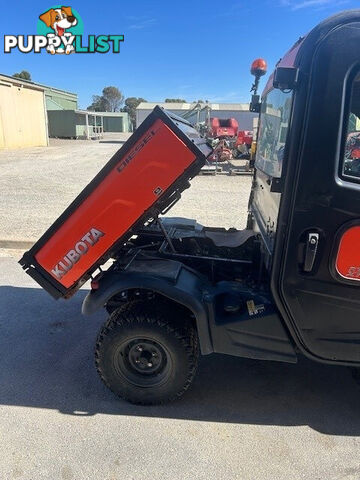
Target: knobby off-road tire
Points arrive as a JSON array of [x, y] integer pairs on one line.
[[145, 354]]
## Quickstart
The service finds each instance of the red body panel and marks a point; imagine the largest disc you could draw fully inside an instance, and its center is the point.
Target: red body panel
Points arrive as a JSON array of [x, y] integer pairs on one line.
[[348, 257], [244, 137], [137, 181]]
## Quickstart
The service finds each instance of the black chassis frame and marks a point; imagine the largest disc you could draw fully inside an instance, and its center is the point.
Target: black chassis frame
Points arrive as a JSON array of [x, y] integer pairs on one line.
[[169, 197]]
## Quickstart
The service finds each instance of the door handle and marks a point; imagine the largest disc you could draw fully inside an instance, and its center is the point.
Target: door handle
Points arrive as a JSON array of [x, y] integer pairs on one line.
[[311, 247]]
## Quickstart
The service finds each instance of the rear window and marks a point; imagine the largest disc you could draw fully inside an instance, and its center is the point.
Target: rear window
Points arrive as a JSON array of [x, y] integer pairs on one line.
[[274, 125], [351, 161]]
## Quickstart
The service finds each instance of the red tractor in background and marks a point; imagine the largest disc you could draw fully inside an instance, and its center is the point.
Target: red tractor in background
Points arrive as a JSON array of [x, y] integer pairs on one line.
[[227, 141], [223, 132], [236, 147], [224, 127]]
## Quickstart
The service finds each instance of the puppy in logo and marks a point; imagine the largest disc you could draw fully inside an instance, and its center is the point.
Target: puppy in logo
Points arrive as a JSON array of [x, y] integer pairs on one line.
[[59, 19]]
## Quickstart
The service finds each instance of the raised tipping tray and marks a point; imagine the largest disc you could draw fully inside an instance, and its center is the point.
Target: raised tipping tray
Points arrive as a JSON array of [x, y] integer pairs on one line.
[[143, 179]]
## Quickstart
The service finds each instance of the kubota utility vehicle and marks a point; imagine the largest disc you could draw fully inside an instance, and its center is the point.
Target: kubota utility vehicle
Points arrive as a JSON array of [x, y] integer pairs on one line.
[[287, 284]]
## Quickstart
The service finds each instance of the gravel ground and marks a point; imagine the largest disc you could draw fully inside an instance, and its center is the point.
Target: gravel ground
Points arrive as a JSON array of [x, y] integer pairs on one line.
[[37, 184]]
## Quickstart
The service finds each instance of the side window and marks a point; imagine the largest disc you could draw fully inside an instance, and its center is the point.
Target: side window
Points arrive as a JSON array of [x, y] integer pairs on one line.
[[351, 162], [274, 125]]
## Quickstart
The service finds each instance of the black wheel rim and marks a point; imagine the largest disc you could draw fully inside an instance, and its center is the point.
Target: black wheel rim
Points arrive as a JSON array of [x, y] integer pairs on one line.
[[143, 362]]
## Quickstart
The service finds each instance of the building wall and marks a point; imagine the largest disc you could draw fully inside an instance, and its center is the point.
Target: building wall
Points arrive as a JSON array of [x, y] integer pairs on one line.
[[72, 124], [245, 119], [117, 123], [61, 123], [113, 124], [60, 101], [142, 114], [126, 123], [22, 117], [80, 125], [2, 139]]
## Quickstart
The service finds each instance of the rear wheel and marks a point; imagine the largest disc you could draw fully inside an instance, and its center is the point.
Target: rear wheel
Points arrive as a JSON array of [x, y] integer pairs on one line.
[[143, 357]]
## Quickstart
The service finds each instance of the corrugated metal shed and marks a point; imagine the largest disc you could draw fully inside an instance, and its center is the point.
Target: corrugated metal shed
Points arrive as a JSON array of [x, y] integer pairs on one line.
[[22, 114], [239, 111], [56, 98], [115, 121], [60, 99], [187, 106]]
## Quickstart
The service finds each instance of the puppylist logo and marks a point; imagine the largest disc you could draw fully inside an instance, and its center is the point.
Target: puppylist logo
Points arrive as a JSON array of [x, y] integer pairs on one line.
[[60, 30]]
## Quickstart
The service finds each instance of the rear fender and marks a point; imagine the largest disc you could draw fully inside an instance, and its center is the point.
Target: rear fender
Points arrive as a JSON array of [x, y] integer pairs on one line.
[[164, 277]]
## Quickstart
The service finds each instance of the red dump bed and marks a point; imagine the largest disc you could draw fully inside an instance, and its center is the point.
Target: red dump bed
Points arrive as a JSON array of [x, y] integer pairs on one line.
[[144, 177]]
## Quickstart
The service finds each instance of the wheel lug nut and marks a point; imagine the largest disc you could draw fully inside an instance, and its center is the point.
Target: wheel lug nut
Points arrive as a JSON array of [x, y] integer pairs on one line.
[[149, 364], [137, 361], [139, 348], [154, 355]]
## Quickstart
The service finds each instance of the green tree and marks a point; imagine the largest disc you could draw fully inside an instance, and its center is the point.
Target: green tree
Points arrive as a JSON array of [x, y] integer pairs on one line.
[[114, 98], [110, 100], [131, 103], [99, 104], [175, 100], [24, 74]]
